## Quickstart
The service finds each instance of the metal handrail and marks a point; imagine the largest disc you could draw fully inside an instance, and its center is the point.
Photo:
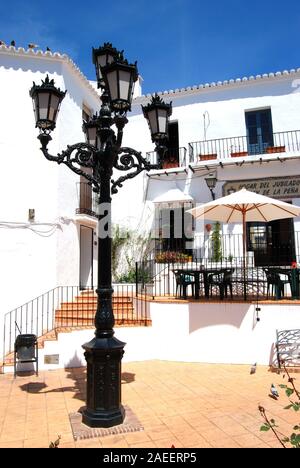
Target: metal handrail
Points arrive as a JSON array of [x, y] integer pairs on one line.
[[69, 306]]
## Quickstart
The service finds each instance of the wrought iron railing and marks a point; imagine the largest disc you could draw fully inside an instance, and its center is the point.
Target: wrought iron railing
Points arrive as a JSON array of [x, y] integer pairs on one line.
[[158, 272], [266, 249], [179, 279], [87, 199], [70, 306], [241, 146], [174, 157]]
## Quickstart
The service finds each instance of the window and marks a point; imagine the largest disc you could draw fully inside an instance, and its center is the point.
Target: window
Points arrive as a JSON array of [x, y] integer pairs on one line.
[[259, 131], [86, 198], [174, 227]]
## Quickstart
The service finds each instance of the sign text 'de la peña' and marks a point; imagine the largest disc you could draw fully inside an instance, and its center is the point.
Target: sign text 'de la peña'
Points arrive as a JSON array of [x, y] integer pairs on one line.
[[274, 187]]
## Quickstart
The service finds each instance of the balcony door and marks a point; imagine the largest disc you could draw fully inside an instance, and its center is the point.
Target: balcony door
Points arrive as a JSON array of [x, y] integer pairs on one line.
[[171, 157], [86, 257], [272, 243], [259, 131]]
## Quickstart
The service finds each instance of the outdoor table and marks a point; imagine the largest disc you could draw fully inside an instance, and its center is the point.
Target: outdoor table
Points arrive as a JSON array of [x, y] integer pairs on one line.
[[196, 273]]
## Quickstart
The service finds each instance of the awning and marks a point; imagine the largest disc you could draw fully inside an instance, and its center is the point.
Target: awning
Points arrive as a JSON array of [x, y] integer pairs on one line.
[[173, 196]]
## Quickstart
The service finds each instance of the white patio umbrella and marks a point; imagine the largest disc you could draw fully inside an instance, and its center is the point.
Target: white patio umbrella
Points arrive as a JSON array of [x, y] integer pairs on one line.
[[243, 206]]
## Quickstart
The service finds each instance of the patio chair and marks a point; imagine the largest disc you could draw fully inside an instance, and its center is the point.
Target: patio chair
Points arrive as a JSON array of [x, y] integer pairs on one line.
[[275, 283], [223, 280], [183, 280]]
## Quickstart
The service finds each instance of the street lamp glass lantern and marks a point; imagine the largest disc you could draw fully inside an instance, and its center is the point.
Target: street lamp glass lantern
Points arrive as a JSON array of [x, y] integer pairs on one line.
[[101, 57], [157, 114], [119, 78], [90, 130], [46, 103]]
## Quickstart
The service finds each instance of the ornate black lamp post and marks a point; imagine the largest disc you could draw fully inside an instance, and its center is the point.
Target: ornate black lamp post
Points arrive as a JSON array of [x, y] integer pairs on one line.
[[103, 152]]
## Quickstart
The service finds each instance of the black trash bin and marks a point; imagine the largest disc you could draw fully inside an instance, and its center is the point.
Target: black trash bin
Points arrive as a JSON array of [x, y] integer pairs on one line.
[[26, 350]]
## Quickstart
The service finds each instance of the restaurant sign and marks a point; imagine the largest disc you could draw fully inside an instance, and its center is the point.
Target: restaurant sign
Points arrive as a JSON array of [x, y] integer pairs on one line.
[[274, 187]]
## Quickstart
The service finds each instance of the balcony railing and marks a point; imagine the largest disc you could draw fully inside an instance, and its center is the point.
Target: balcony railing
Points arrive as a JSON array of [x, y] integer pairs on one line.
[[174, 157], [241, 146], [264, 256], [86, 198]]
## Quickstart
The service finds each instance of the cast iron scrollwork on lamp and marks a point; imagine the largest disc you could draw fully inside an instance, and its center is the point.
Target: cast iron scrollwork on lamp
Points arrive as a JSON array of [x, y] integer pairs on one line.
[[102, 152]]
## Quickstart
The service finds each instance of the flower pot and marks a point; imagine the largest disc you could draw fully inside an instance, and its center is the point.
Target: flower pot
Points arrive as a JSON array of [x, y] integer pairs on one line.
[[275, 149], [238, 154], [206, 157], [169, 164]]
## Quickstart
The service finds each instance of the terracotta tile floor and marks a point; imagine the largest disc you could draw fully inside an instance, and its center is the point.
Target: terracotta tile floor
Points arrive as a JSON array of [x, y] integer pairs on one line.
[[184, 404]]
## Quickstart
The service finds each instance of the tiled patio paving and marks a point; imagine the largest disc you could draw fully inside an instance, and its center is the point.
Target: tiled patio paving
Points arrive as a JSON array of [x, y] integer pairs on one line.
[[184, 404]]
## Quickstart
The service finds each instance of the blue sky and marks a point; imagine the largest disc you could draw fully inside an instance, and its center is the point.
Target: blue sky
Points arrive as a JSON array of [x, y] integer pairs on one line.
[[176, 43]]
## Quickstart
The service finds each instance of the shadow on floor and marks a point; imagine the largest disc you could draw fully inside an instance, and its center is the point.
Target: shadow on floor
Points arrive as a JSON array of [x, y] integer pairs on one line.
[[78, 375]]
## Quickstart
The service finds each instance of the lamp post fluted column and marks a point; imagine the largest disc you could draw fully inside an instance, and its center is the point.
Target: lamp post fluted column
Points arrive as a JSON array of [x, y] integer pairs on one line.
[[102, 152], [104, 352]]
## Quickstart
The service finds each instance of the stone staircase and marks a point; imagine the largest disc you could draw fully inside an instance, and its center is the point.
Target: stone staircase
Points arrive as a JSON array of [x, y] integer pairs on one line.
[[79, 313]]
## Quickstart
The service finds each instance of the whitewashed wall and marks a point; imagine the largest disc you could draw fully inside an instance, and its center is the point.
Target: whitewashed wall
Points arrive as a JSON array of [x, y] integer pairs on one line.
[[37, 256], [209, 333]]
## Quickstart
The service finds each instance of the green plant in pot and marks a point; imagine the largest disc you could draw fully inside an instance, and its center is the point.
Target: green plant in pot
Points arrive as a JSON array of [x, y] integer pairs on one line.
[[216, 242]]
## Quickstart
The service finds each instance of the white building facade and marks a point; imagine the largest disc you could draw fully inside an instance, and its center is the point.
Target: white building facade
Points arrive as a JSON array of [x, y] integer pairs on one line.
[[246, 132]]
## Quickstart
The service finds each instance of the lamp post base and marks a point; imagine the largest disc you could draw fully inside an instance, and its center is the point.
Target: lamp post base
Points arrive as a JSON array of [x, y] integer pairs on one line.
[[103, 418], [103, 391]]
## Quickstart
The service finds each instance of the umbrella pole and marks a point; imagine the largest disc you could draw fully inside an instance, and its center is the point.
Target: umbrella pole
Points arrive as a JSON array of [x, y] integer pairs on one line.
[[244, 254]]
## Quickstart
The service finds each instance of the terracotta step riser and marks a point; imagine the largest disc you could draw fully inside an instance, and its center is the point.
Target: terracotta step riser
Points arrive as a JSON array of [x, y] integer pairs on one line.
[[94, 296], [126, 293], [90, 323], [92, 304], [84, 312], [89, 305], [92, 317], [91, 312]]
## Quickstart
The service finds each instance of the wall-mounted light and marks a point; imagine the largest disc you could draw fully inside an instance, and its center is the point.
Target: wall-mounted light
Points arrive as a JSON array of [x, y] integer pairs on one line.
[[211, 181], [31, 214]]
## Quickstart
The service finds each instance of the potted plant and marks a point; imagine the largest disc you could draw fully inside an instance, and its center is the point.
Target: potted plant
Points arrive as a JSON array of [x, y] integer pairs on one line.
[[172, 257], [169, 163], [238, 153], [206, 157], [216, 242], [275, 149]]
